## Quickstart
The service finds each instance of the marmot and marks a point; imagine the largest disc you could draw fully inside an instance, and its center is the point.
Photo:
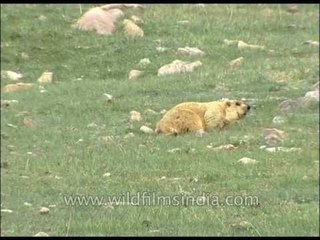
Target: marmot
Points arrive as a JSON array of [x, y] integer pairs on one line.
[[200, 117]]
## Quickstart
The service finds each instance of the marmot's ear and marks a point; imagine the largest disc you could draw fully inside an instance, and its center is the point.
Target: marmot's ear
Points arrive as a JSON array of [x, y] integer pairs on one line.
[[228, 103]]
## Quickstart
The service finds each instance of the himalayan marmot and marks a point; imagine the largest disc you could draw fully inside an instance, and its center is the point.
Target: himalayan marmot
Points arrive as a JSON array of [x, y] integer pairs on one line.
[[200, 117]]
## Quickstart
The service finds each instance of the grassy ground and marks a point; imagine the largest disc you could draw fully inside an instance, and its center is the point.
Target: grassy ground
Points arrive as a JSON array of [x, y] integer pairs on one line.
[[286, 184]]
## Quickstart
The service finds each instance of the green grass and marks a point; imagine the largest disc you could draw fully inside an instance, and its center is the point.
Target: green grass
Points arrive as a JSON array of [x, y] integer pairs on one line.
[[287, 184]]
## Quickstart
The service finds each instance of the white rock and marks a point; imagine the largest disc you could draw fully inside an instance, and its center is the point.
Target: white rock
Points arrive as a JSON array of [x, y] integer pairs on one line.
[[146, 129], [44, 210], [183, 22], [136, 19], [135, 116], [27, 204], [163, 111], [134, 74], [106, 175], [283, 149], [144, 62], [92, 125], [6, 211], [246, 160], [129, 135], [174, 150], [236, 62], [152, 112], [313, 94], [52, 206], [243, 45], [225, 147], [24, 55], [278, 120], [312, 43], [190, 51], [107, 97], [42, 18], [41, 234], [45, 78], [178, 66], [230, 42], [11, 75], [162, 49], [106, 139]]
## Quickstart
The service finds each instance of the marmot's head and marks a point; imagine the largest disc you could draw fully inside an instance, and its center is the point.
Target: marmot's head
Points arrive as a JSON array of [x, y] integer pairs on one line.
[[235, 110]]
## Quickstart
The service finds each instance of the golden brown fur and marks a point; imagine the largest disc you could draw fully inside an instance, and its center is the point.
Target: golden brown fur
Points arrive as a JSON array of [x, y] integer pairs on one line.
[[200, 117]]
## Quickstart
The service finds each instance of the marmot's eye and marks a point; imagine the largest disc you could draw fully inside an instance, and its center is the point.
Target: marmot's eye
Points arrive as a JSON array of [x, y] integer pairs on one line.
[[238, 103]]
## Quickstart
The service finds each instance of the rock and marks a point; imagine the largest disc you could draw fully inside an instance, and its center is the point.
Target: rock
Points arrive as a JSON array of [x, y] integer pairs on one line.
[[163, 111], [28, 122], [227, 147], [106, 175], [135, 116], [282, 149], [241, 225], [24, 56], [274, 136], [131, 29], [44, 210], [190, 51], [136, 19], [107, 98], [162, 49], [288, 105], [27, 204], [17, 87], [134, 74], [292, 9], [144, 62], [129, 135], [236, 62], [313, 94], [92, 125], [306, 102], [312, 43], [183, 22], [231, 42], [146, 129], [7, 103], [278, 120], [178, 66], [11, 125], [242, 45], [106, 139], [151, 112], [42, 18], [6, 211], [41, 234], [45, 78], [246, 160], [174, 150], [13, 76]]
